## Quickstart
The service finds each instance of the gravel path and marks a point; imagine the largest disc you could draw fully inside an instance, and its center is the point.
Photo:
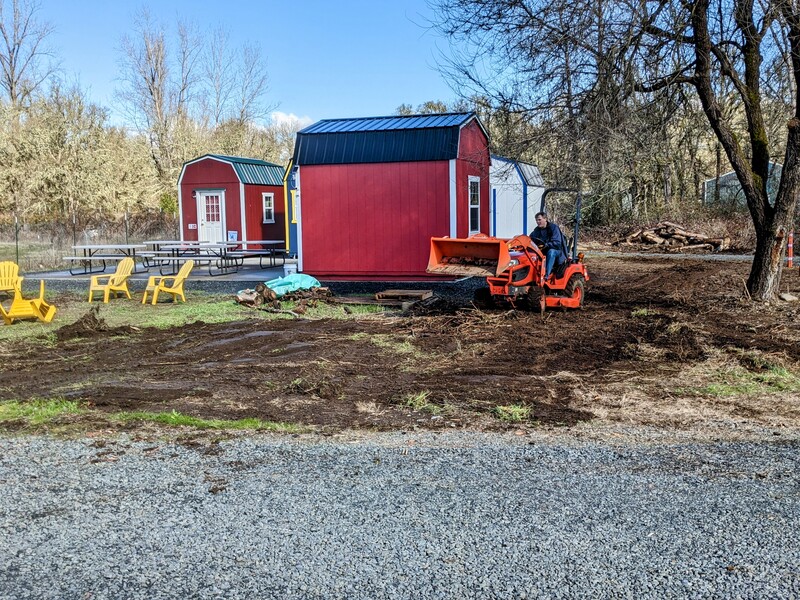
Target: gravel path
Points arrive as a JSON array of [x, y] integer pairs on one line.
[[455, 516]]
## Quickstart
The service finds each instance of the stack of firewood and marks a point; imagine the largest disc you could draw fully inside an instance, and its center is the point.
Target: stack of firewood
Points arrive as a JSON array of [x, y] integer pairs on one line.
[[670, 237]]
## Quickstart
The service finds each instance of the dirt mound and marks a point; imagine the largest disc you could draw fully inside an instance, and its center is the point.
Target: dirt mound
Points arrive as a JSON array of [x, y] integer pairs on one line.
[[91, 325]]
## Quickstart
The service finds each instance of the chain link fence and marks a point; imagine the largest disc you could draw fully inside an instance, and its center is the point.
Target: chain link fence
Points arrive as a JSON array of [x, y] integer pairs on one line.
[[40, 245]]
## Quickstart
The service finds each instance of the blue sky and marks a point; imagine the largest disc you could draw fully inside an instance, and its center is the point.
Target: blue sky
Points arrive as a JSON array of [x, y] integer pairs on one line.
[[325, 59]]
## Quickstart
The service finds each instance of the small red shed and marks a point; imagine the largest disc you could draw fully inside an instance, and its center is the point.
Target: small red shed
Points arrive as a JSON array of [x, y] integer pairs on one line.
[[229, 198], [372, 192]]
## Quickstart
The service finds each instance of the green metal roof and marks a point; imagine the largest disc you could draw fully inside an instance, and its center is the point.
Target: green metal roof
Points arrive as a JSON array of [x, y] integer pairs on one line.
[[252, 170]]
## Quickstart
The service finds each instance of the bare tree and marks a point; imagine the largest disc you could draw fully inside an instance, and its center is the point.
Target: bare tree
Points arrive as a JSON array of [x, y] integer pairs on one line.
[[24, 57], [252, 85], [160, 84], [716, 46], [553, 59], [146, 93], [218, 77], [188, 55]]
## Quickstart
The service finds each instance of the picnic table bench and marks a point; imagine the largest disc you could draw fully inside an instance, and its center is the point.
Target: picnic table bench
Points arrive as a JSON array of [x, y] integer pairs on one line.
[[264, 251], [94, 258]]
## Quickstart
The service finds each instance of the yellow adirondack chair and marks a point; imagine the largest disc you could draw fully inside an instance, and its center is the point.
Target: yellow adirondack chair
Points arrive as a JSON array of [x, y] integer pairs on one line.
[[116, 282], [9, 277], [156, 283], [22, 308]]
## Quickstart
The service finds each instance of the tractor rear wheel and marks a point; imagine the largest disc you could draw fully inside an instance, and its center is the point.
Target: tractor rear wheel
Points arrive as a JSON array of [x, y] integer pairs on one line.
[[576, 288]]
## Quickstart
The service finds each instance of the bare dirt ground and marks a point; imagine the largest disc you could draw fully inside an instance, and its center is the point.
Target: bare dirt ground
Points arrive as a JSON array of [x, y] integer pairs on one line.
[[664, 343]]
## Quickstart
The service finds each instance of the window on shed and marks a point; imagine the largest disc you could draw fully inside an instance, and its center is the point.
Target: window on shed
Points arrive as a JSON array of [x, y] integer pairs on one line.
[[213, 208], [268, 201], [474, 204]]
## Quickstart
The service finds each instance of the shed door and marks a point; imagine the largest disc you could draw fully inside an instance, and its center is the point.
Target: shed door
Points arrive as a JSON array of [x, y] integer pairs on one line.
[[210, 208]]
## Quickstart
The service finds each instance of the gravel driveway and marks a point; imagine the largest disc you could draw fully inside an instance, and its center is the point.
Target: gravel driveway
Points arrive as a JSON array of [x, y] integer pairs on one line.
[[399, 516]]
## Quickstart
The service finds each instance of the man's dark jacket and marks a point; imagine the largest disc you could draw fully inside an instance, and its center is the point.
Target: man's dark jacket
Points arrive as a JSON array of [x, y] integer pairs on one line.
[[552, 239]]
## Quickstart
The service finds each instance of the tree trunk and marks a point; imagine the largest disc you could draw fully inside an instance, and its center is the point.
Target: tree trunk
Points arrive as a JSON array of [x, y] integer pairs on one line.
[[771, 236], [765, 273]]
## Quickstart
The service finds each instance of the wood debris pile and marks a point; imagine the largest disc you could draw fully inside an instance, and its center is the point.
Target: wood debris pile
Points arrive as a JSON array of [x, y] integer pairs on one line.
[[669, 237], [263, 295], [318, 293], [433, 306], [260, 295], [264, 298]]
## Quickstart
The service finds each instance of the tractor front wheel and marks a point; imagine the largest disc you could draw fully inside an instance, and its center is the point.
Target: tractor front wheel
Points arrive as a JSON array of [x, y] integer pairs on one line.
[[576, 288], [483, 298]]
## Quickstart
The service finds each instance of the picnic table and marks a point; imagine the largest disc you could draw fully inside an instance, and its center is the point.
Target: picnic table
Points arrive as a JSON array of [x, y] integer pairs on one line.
[[215, 254], [159, 249], [262, 250], [93, 258]]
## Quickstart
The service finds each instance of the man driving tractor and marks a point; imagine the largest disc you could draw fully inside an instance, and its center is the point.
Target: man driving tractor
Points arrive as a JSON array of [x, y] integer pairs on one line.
[[550, 240], [535, 269]]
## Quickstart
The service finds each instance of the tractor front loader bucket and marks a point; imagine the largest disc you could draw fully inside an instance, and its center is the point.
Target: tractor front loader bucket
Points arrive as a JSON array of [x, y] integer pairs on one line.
[[479, 256]]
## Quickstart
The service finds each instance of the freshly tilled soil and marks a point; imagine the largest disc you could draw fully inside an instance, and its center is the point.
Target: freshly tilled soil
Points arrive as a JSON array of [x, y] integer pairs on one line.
[[652, 335]]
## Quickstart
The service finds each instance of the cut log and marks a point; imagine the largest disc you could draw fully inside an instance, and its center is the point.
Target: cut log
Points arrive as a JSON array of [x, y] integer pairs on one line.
[[720, 243], [669, 224], [652, 238], [693, 247], [634, 236]]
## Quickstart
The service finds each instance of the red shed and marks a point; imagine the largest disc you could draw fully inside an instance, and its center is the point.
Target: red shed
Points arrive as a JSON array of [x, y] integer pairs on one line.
[[372, 192], [222, 198]]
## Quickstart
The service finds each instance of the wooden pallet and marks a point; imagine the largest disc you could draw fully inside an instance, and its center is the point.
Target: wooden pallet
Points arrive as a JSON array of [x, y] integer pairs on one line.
[[404, 294], [363, 300]]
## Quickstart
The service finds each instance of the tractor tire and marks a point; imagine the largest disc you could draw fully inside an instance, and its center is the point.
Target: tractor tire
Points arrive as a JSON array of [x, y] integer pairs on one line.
[[483, 298], [536, 299], [575, 284]]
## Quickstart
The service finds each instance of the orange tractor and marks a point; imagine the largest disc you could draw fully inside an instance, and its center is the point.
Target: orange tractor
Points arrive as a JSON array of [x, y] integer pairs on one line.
[[514, 269]]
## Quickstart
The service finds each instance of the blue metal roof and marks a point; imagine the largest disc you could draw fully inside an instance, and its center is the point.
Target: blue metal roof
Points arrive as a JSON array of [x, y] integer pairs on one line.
[[388, 123], [252, 170], [380, 139]]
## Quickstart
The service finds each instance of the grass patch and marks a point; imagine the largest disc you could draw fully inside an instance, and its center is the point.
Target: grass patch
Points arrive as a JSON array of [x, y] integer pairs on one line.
[[389, 342], [120, 312], [176, 419], [409, 354], [39, 411], [323, 310], [419, 401], [322, 387], [42, 412], [198, 307], [33, 256], [512, 413], [640, 313], [741, 382]]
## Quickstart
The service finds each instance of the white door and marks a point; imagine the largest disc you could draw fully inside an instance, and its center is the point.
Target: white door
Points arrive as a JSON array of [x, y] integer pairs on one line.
[[209, 215]]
